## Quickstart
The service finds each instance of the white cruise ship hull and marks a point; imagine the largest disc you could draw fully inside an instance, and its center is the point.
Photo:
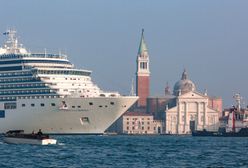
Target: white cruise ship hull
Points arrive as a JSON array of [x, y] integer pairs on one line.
[[80, 116]]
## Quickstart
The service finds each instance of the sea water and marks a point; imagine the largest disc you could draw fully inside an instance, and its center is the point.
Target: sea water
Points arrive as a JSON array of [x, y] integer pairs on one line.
[[128, 151]]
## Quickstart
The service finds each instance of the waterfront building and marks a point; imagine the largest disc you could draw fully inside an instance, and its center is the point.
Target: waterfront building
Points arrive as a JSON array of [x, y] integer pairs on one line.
[[138, 123], [190, 111]]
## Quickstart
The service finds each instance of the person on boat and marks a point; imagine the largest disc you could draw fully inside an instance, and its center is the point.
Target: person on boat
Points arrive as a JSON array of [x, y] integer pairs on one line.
[[39, 132]]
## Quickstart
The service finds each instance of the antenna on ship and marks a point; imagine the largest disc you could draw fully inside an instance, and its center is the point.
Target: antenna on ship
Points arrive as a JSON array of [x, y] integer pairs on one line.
[[132, 88], [60, 54], [12, 42], [12, 46], [238, 99], [45, 52]]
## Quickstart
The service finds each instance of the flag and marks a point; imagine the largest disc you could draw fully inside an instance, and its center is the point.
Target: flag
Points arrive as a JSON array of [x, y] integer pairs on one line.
[[5, 33]]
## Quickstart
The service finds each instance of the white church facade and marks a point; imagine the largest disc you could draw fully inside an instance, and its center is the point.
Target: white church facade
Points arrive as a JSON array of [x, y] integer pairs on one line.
[[190, 111]]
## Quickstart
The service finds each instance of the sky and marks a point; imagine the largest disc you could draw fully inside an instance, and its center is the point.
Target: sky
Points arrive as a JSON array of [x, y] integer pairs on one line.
[[208, 38]]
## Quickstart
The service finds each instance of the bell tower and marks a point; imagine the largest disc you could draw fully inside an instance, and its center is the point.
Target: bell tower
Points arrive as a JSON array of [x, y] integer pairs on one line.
[[142, 73]]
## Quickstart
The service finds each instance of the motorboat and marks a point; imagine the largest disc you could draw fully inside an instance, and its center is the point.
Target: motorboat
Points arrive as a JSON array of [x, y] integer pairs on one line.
[[19, 137]]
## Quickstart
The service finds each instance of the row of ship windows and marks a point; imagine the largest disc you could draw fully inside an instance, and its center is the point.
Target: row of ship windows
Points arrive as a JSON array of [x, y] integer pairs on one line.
[[27, 91], [22, 85], [47, 72], [28, 97], [73, 84], [64, 72], [11, 68], [14, 74], [42, 104], [4, 56], [18, 79], [80, 91], [31, 80], [91, 104], [49, 78], [53, 104], [34, 61], [85, 79], [112, 103]]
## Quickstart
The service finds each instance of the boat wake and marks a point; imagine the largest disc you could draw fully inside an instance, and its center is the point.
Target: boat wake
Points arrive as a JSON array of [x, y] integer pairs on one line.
[[61, 144]]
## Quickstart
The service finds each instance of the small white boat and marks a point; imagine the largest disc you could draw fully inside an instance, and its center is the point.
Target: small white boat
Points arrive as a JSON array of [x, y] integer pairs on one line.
[[19, 137]]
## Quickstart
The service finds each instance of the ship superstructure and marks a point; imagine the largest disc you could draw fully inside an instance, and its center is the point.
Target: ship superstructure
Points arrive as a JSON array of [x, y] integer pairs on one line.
[[45, 91]]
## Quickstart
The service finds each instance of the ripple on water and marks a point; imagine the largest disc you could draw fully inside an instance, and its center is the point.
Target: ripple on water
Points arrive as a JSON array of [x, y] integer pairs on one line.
[[129, 151]]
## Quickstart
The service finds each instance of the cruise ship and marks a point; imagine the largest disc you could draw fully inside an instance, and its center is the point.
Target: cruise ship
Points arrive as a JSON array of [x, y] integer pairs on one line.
[[45, 91]]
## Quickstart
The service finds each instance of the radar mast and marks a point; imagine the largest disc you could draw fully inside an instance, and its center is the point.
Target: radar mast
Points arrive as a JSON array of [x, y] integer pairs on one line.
[[11, 46]]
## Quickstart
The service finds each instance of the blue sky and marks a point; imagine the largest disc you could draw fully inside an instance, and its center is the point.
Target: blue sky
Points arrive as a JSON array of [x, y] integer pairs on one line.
[[209, 38]]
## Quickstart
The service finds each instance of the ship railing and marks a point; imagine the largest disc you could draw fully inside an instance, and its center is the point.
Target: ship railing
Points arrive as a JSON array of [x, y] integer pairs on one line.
[[64, 71], [44, 55], [38, 55]]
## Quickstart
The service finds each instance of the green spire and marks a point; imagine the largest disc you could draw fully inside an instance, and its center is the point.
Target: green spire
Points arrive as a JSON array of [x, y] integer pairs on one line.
[[142, 47]]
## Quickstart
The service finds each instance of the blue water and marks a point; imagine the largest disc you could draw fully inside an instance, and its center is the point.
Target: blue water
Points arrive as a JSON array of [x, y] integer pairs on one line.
[[128, 151]]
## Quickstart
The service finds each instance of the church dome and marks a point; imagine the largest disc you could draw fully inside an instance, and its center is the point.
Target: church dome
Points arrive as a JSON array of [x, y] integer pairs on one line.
[[184, 85]]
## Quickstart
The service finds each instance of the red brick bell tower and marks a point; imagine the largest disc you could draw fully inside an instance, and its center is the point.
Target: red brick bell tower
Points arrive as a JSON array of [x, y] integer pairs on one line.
[[142, 73]]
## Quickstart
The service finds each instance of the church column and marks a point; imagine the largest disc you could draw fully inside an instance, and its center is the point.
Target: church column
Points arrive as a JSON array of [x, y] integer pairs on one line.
[[186, 118], [198, 116], [178, 118], [205, 115]]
